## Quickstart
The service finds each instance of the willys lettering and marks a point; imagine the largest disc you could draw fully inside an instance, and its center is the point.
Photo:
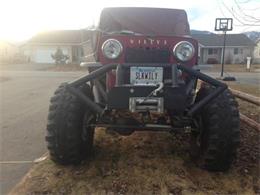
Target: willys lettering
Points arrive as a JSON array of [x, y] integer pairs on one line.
[[148, 41]]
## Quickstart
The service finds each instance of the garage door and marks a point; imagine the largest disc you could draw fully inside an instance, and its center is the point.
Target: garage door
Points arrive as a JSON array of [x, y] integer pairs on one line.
[[43, 55]]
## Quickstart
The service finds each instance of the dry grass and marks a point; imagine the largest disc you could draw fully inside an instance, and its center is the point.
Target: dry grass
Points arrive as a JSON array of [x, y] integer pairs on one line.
[[143, 163], [250, 89]]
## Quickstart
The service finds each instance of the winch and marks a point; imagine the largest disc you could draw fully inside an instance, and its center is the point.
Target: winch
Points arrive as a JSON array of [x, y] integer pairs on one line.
[[144, 104]]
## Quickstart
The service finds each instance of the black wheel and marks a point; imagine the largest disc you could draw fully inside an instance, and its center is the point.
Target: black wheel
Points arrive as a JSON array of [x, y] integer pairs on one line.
[[69, 137], [219, 130]]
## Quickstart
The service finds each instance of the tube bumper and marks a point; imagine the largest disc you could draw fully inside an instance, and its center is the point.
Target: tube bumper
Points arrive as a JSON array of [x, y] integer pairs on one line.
[[176, 91]]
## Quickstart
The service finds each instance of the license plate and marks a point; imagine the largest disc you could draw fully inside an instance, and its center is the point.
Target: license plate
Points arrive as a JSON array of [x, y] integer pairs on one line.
[[146, 75]]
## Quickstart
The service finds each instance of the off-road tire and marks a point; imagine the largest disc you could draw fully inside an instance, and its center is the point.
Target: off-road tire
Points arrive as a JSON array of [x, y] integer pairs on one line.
[[220, 132], [68, 138]]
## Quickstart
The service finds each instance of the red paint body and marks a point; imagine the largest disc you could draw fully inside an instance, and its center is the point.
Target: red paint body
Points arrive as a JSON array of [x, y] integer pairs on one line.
[[133, 41]]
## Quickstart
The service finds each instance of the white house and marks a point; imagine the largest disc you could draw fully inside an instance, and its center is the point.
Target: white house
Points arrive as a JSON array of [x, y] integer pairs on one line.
[[256, 57], [238, 48], [39, 49], [8, 52]]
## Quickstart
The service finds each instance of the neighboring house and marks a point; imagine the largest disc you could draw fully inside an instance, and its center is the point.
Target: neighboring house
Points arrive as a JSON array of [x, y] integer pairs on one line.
[[256, 57], [41, 47], [238, 48], [8, 52]]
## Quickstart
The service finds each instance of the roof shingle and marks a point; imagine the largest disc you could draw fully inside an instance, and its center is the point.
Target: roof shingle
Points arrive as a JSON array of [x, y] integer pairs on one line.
[[214, 40], [61, 36]]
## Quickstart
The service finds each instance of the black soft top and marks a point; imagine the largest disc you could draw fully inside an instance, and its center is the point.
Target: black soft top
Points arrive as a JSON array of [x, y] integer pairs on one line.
[[148, 21]]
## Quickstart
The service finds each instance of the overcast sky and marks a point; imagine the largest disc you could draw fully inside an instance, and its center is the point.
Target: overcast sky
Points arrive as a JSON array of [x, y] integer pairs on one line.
[[21, 19]]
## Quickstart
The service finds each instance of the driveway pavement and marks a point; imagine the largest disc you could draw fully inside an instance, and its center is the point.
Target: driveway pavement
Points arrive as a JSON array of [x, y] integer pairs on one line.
[[24, 104]]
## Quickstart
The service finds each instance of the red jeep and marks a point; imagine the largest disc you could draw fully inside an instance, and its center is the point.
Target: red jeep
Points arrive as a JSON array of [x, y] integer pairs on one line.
[[144, 78]]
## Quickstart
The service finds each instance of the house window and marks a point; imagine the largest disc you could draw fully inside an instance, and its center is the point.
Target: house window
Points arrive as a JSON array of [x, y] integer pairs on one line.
[[81, 52], [238, 51], [212, 51]]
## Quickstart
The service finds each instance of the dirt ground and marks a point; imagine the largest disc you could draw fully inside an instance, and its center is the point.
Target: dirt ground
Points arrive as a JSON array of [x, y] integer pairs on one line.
[[146, 163], [150, 163]]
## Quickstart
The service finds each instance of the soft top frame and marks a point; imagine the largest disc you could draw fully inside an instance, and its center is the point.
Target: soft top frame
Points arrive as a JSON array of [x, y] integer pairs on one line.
[[146, 21]]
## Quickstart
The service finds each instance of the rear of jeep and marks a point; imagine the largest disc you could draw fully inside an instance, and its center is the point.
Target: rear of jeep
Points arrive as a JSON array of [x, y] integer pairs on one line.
[[144, 79]]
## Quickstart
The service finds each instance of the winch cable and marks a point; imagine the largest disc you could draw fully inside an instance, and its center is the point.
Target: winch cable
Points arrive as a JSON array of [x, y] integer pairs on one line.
[[154, 92]]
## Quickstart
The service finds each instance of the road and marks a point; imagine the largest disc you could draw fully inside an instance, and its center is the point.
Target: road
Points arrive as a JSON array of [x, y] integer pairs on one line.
[[24, 104], [24, 100], [250, 78]]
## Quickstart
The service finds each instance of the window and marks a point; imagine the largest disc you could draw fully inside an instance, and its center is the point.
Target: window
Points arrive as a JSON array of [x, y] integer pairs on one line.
[[235, 51], [81, 52], [212, 51], [238, 51]]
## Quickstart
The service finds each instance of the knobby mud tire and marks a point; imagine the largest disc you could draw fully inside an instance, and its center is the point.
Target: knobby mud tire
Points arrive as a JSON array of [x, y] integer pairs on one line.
[[69, 139], [220, 130]]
